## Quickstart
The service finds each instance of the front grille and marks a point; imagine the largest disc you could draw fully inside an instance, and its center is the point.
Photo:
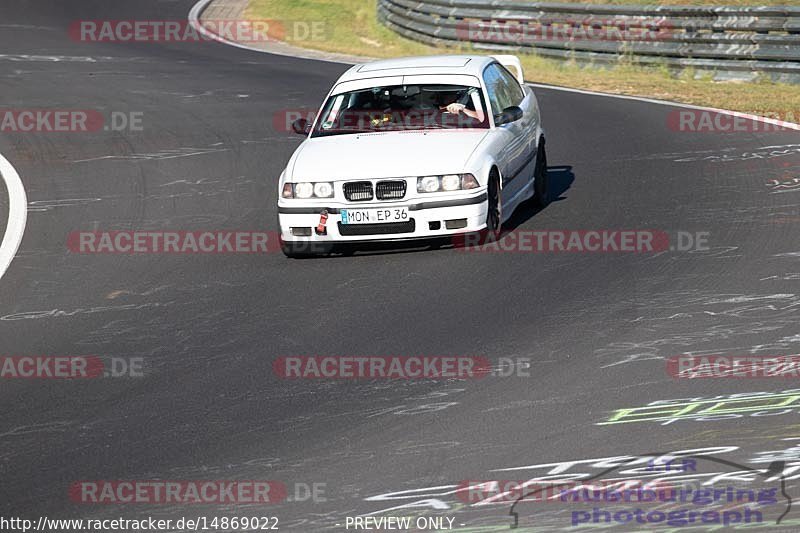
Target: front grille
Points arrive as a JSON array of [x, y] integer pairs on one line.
[[376, 229], [358, 191], [390, 190]]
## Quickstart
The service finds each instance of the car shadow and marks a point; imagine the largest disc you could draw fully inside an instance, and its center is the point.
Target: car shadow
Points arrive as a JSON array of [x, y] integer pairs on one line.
[[561, 178]]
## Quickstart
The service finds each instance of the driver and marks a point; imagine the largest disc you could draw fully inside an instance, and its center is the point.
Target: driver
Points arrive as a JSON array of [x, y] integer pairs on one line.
[[460, 106], [457, 107]]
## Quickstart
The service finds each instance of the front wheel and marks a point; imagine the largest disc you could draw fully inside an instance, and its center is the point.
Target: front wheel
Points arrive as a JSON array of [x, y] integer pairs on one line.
[[541, 182], [494, 210]]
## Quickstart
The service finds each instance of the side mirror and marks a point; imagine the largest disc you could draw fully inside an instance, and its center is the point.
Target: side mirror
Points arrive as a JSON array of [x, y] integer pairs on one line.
[[509, 114], [301, 126]]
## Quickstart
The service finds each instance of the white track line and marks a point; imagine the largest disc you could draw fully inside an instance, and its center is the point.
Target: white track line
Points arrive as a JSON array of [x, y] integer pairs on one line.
[[17, 214], [199, 7], [756, 118], [290, 51], [194, 20]]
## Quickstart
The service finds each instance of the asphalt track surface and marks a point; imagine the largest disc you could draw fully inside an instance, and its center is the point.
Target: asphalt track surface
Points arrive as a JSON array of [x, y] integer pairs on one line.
[[596, 327]]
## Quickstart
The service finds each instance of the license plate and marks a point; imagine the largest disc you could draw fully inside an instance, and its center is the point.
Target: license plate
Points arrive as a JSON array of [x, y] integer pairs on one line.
[[375, 216]]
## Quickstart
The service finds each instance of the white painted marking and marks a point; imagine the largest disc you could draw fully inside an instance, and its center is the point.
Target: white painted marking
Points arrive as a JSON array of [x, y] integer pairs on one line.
[[293, 51], [199, 7], [157, 156], [194, 20], [27, 27], [46, 205], [17, 214], [52, 59], [756, 118]]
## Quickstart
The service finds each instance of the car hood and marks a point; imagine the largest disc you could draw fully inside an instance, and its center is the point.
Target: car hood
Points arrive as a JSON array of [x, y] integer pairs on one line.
[[384, 155]]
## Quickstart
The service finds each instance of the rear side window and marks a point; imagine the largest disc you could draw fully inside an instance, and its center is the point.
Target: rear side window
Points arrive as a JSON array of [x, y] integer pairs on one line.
[[502, 88]]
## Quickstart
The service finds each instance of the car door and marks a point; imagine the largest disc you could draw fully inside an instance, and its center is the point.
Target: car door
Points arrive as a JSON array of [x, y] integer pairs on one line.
[[513, 139], [530, 108], [530, 127]]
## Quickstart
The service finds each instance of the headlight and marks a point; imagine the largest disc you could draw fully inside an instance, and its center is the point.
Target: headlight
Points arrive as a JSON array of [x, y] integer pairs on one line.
[[446, 183], [323, 190], [428, 184], [451, 182], [305, 190]]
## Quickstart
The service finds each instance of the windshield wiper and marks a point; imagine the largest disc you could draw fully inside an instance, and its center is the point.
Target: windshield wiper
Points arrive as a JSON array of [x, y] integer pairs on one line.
[[433, 126], [331, 133]]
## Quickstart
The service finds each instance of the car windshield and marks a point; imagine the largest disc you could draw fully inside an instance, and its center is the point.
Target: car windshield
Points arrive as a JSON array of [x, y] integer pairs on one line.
[[402, 107]]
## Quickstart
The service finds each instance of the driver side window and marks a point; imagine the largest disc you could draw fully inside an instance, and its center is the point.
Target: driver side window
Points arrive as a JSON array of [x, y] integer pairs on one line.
[[502, 88]]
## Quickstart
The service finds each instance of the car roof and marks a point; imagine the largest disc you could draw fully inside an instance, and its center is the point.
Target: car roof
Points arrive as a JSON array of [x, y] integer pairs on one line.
[[409, 66]]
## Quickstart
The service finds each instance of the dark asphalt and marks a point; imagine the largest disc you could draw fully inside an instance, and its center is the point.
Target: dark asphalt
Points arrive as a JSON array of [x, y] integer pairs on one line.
[[597, 327]]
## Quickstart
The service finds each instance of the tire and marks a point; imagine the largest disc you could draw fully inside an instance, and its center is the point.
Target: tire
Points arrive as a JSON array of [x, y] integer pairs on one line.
[[494, 208], [541, 182]]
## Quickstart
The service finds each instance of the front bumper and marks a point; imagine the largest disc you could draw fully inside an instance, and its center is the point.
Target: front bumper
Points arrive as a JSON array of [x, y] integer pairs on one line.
[[428, 218]]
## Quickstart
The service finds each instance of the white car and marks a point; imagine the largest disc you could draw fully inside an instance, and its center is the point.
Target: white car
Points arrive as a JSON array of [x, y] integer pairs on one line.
[[411, 148]]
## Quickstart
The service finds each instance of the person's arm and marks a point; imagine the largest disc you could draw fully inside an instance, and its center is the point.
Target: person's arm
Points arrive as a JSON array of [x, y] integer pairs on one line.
[[456, 108]]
